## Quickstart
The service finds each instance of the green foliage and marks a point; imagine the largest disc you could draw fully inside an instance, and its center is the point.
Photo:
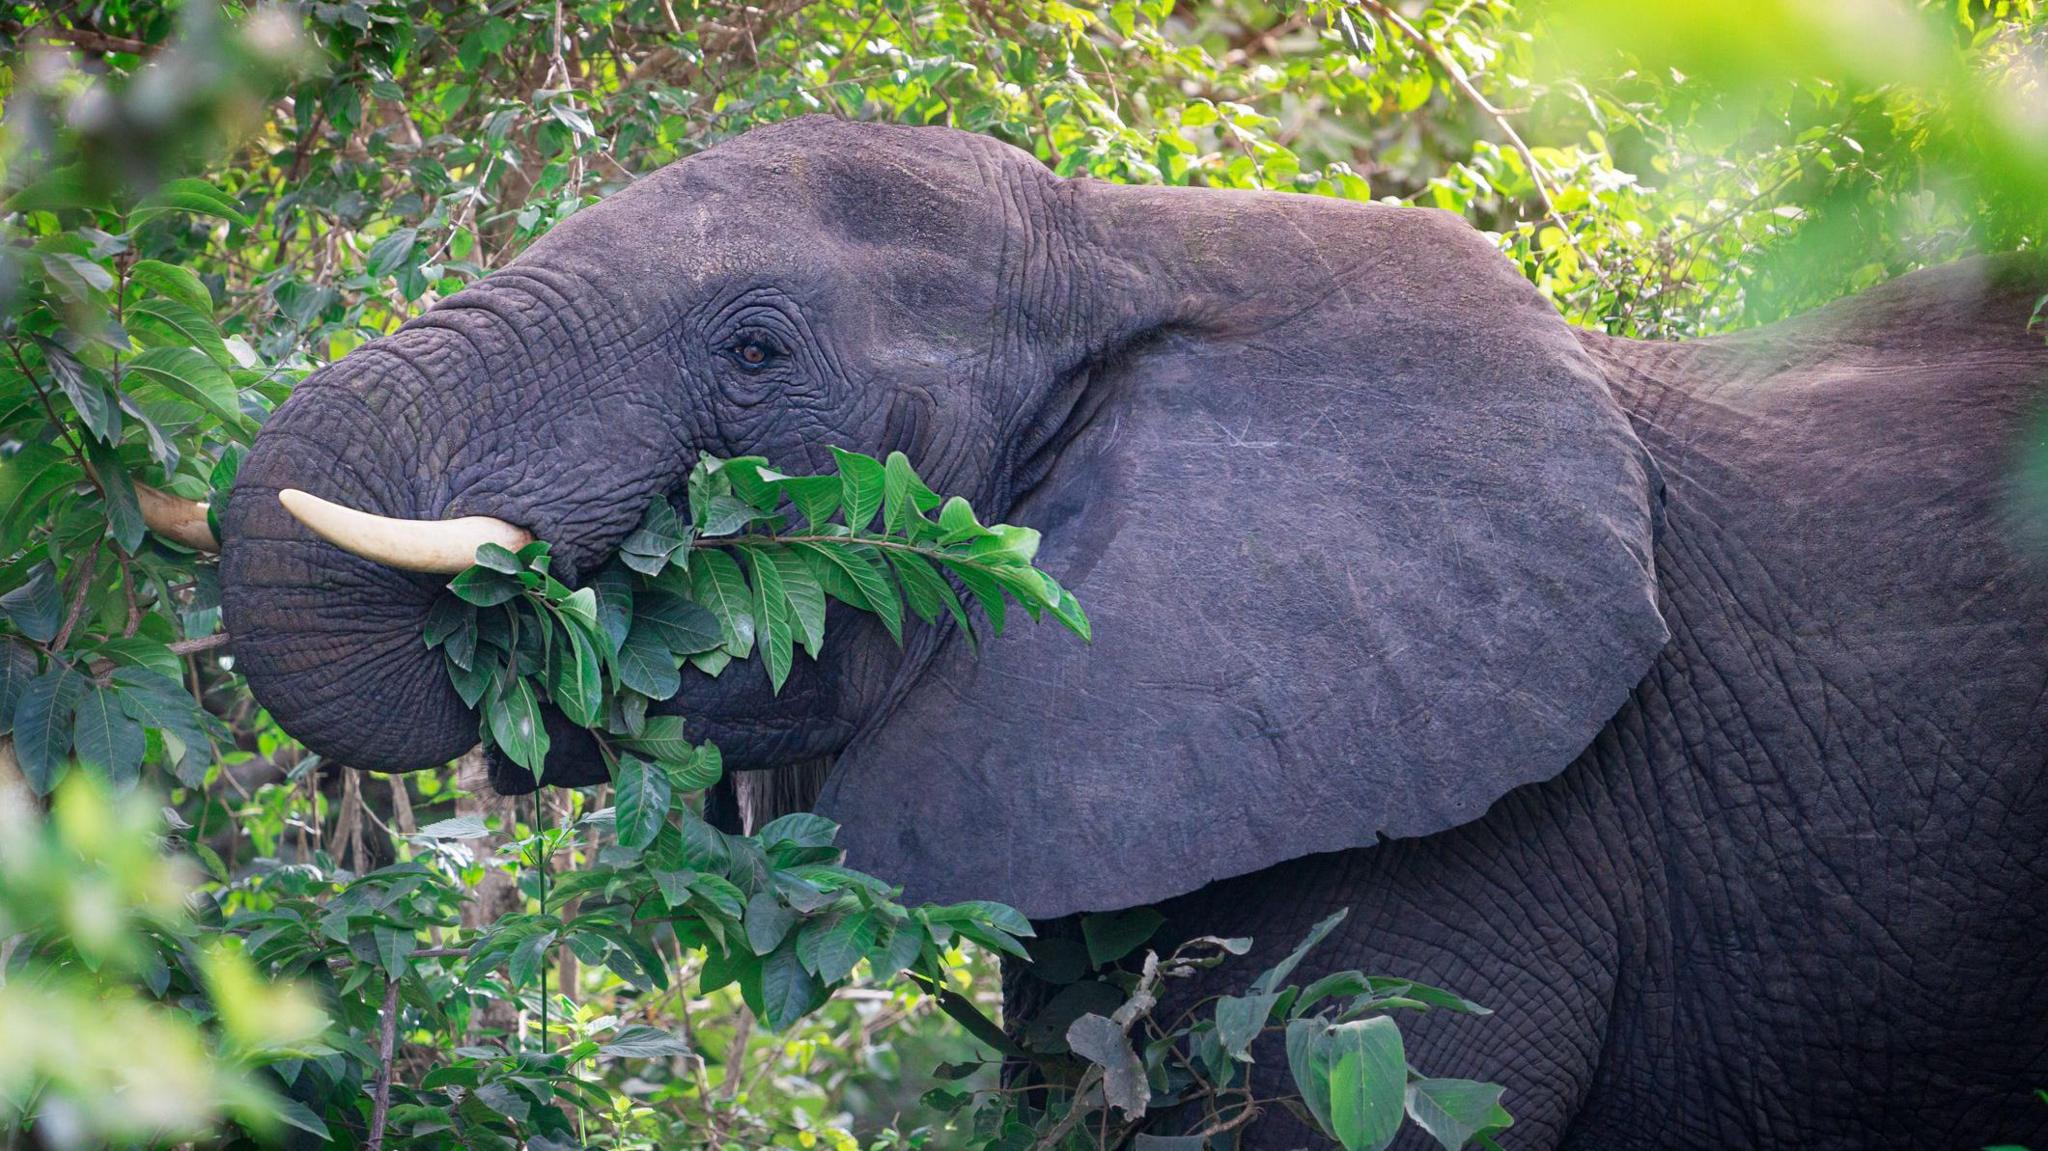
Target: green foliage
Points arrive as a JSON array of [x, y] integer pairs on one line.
[[1102, 1056], [201, 205], [679, 593], [127, 1019]]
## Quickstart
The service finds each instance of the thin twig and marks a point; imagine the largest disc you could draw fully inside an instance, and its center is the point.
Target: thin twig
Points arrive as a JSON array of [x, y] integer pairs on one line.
[[203, 643], [92, 564], [1471, 92]]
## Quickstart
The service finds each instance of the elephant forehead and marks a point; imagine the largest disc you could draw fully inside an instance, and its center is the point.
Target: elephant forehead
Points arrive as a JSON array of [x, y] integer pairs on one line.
[[805, 199]]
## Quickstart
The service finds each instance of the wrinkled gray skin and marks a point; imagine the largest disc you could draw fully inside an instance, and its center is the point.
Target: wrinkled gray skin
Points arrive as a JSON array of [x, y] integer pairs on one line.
[[1682, 702]]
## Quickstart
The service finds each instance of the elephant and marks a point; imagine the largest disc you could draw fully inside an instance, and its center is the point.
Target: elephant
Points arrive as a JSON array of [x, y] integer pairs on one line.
[[1685, 702]]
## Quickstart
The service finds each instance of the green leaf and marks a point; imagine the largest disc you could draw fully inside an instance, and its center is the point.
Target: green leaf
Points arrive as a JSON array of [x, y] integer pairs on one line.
[[658, 538], [1005, 544], [725, 514], [744, 474], [103, 736], [643, 1042], [1455, 1110], [30, 478], [957, 523], [864, 570], [1068, 611], [460, 827], [1368, 1082], [798, 829], [581, 606], [1000, 916], [175, 324], [1435, 997], [484, 587], [529, 958], [161, 448], [173, 282], [36, 608], [897, 509], [860, 487], [1239, 1020], [394, 946], [614, 605], [788, 991], [42, 726], [17, 669], [704, 768], [1337, 984], [189, 373], [472, 681], [806, 599], [831, 947], [296, 1114], [645, 665], [188, 195], [1111, 935], [986, 591], [643, 801], [924, 589], [55, 189], [1308, 1063], [661, 739], [768, 922], [1272, 978], [87, 390], [716, 583], [815, 497], [685, 627], [515, 725], [576, 685], [771, 619], [124, 513], [445, 617], [391, 252], [75, 276], [498, 558], [161, 703]]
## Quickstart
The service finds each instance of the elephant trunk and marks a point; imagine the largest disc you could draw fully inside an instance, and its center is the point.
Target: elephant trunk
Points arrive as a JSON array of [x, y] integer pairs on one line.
[[456, 415]]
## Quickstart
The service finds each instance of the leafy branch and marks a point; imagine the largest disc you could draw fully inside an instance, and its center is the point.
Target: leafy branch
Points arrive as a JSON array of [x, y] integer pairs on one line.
[[775, 912]]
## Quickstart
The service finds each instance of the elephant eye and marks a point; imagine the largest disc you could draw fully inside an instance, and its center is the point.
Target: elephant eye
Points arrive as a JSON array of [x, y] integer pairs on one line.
[[754, 352]]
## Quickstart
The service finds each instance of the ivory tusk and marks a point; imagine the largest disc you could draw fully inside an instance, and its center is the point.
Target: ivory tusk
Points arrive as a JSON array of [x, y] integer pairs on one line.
[[442, 547], [175, 518]]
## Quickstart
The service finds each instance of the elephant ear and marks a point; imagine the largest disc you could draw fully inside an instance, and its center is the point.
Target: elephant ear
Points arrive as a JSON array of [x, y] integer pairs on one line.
[[1361, 554]]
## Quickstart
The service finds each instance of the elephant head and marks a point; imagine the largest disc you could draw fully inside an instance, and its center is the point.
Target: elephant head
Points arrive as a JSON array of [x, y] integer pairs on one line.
[[1363, 536]]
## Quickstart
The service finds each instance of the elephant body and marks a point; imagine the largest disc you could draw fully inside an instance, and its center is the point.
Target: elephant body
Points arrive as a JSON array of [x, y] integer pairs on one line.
[[1682, 703], [1792, 894]]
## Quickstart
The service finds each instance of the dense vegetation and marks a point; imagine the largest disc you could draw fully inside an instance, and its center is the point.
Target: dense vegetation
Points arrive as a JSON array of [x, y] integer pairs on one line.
[[203, 204]]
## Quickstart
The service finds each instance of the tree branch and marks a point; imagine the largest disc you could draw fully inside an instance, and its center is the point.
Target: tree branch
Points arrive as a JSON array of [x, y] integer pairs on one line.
[[83, 38], [203, 643], [387, 1042], [1477, 99]]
